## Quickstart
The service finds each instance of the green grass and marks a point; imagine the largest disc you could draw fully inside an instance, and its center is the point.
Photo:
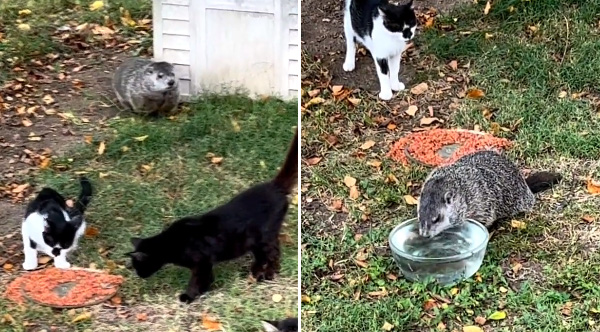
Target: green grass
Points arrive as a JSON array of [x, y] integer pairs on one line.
[[251, 136], [522, 73]]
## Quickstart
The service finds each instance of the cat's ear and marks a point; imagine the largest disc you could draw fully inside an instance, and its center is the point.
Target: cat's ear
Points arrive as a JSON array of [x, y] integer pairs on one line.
[[410, 4], [139, 256], [77, 221], [269, 327], [135, 241]]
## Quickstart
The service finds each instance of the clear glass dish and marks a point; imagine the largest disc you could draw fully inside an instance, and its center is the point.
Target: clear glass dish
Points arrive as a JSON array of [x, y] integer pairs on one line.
[[449, 257]]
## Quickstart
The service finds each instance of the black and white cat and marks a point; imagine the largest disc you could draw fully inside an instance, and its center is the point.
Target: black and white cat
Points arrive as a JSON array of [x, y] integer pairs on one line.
[[286, 325], [50, 226], [250, 221], [384, 29]]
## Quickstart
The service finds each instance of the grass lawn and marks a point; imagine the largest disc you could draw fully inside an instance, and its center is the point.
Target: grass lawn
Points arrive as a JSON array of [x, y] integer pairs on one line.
[[146, 173], [536, 63]]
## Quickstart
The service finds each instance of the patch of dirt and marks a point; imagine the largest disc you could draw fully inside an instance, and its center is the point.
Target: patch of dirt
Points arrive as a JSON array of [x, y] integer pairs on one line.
[[323, 40], [316, 215], [518, 270]]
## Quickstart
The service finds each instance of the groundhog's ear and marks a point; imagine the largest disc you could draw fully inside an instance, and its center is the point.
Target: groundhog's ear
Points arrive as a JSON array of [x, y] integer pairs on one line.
[[448, 197]]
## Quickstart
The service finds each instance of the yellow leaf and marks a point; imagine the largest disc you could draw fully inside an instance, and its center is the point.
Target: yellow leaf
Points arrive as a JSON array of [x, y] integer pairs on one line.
[[81, 317], [45, 163], [367, 145], [354, 193], [24, 27], [8, 266], [277, 298], [314, 101], [503, 289], [305, 298], [140, 138], [387, 326], [374, 163], [24, 12], [216, 160], [419, 89], [391, 126], [6, 318], [96, 5], [295, 200], [349, 181], [475, 94], [410, 200], [236, 126], [101, 148], [487, 8], [125, 149], [126, 19], [472, 328], [518, 224], [412, 110], [593, 187], [211, 324], [498, 315], [354, 101]]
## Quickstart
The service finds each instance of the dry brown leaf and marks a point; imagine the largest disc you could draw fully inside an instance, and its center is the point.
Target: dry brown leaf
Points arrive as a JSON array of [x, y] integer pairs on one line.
[[593, 187], [349, 181], [428, 121], [517, 267], [337, 89], [45, 163], [387, 326], [487, 8], [27, 123], [313, 161], [410, 200], [88, 139], [83, 316], [419, 89], [475, 94], [429, 22], [588, 219], [361, 264], [391, 126], [91, 231], [429, 304], [101, 148], [48, 99], [480, 320], [8, 266], [367, 145], [116, 300], [44, 260], [354, 101], [314, 93], [453, 65], [354, 193], [412, 110], [472, 328], [7, 319], [374, 163], [20, 188], [142, 317], [216, 160], [336, 204], [211, 323]]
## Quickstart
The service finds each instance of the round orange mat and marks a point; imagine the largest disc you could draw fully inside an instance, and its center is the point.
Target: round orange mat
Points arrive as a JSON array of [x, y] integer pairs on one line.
[[438, 147], [72, 288]]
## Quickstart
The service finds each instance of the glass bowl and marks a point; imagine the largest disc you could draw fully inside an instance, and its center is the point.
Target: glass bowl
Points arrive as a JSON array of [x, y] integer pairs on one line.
[[451, 256]]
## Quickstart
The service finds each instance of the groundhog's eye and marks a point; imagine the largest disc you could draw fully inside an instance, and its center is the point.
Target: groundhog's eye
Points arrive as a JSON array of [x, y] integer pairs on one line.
[[160, 75], [437, 219]]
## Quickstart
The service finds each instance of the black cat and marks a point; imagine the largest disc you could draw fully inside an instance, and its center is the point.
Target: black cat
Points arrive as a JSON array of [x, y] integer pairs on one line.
[[249, 222], [286, 325]]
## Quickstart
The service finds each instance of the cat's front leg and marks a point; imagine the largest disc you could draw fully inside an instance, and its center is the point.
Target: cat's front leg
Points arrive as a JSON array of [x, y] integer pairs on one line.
[[31, 262], [395, 83], [60, 261], [383, 73], [349, 61], [200, 282]]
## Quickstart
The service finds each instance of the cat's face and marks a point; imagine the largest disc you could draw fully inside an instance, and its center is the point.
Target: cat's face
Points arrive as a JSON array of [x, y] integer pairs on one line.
[[400, 19], [58, 232], [144, 263], [286, 325]]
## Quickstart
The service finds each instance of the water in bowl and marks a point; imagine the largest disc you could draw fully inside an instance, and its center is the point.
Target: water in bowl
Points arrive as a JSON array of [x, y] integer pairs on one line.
[[452, 242]]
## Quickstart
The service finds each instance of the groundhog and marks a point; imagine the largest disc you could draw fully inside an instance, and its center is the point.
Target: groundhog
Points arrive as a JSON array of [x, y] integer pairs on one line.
[[146, 87], [484, 186]]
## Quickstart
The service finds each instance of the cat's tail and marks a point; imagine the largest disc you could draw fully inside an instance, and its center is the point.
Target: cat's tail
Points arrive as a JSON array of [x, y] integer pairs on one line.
[[287, 177], [540, 181], [85, 196]]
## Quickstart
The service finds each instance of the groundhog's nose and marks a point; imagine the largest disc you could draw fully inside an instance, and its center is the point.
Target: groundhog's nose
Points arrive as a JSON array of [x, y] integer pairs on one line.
[[171, 82]]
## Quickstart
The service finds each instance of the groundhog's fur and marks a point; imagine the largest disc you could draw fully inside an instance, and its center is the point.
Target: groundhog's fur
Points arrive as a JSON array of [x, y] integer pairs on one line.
[[146, 87], [484, 186]]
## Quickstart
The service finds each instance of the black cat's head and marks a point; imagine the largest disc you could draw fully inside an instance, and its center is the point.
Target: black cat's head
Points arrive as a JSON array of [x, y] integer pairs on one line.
[[399, 19], [60, 232], [286, 325], [144, 261]]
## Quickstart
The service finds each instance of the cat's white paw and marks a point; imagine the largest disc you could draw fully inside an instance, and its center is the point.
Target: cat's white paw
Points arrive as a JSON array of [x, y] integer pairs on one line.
[[349, 65], [386, 95], [62, 265], [397, 86], [30, 265]]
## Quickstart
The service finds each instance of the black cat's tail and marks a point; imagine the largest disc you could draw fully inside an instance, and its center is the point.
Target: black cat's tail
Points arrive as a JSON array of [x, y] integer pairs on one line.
[[85, 196], [287, 177], [541, 181]]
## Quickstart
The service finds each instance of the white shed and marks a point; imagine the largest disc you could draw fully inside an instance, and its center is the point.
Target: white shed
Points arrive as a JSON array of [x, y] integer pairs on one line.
[[249, 44]]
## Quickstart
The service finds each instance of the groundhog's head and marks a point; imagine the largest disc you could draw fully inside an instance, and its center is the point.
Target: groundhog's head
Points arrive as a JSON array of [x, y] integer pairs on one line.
[[439, 208], [160, 76]]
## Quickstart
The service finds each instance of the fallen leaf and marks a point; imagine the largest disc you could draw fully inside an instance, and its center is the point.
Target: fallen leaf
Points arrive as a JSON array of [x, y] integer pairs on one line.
[[313, 161], [562, 94], [354, 194], [88, 139], [305, 298], [211, 323], [45, 163], [354, 101], [429, 304], [480, 320], [475, 94], [24, 27], [96, 5], [337, 204], [6, 318], [20, 188], [142, 317], [91, 232], [419, 89], [48, 99], [391, 126], [8, 266], [498, 315], [518, 224], [337, 89], [374, 163], [24, 12], [454, 291], [101, 148], [593, 187], [367, 145], [517, 267], [410, 200], [503, 289], [588, 219], [116, 300], [277, 298], [441, 326], [349, 181], [314, 101], [27, 123], [44, 260], [314, 93], [472, 328], [487, 8], [216, 160], [412, 110], [141, 138], [387, 326], [429, 22], [83, 316], [453, 65], [428, 121], [236, 125]]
